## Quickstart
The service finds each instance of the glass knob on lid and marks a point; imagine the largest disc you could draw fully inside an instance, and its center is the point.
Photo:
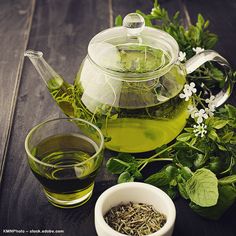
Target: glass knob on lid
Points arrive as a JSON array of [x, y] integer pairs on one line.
[[134, 23]]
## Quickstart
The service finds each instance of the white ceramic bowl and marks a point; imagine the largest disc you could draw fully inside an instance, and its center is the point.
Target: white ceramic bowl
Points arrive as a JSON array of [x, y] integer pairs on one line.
[[137, 193]]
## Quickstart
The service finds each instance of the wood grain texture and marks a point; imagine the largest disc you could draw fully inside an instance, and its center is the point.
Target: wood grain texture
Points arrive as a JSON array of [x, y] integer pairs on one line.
[[62, 30], [15, 24]]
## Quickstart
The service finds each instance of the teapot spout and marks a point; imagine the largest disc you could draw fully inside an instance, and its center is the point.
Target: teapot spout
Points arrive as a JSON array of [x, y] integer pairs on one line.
[[61, 91]]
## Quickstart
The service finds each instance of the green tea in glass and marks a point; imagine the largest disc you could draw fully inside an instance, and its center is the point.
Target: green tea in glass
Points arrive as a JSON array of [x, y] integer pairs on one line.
[[65, 155]]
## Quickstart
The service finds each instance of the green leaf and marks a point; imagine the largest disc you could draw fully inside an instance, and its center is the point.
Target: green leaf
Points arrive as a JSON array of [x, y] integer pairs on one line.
[[215, 164], [227, 137], [189, 130], [232, 123], [184, 137], [114, 117], [158, 179], [171, 171], [233, 140], [206, 24], [116, 166], [182, 190], [231, 111], [227, 197], [137, 174], [122, 162], [227, 180], [159, 149], [164, 177], [185, 172], [213, 135], [221, 147], [171, 191], [200, 21], [210, 40], [202, 188], [218, 123], [217, 74], [125, 177], [126, 157], [118, 20], [200, 160], [107, 138], [184, 157], [55, 83]]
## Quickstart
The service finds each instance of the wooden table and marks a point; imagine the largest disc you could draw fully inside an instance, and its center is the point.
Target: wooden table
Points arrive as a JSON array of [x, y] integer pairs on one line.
[[62, 30]]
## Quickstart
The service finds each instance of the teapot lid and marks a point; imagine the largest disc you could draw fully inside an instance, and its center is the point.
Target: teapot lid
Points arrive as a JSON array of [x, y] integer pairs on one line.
[[133, 48]]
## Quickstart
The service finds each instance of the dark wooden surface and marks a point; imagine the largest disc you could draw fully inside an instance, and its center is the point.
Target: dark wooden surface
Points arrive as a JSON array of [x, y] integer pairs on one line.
[[15, 24], [62, 30]]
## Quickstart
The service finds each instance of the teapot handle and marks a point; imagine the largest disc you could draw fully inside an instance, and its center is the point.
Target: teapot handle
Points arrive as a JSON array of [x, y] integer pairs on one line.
[[209, 55]]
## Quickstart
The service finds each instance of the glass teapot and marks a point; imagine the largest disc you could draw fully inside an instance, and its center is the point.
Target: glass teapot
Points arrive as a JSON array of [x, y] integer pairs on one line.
[[129, 85]]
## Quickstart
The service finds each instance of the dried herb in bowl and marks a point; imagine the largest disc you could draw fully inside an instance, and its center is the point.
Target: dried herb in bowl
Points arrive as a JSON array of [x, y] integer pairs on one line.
[[135, 219]]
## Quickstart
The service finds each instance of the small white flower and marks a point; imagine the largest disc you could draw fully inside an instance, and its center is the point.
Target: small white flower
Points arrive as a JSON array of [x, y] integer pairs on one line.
[[200, 129], [198, 50], [192, 110], [191, 87], [211, 106], [185, 95], [200, 115], [210, 111], [182, 56], [188, 90], [211, 101]]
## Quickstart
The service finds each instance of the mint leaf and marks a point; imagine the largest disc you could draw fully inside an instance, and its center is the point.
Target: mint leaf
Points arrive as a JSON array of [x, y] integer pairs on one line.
[[219, 124], [202, 188], [231, 111], [118, 20], [213, 135], [125, 177], [116, 166], [200, 160], [217, 74], [126, 157], [170, 191], [182, 190], [114, 117], [186, 173], [158, 179], [162, 177], [227, 197], [184, 137], [227, 137], [227, 180]]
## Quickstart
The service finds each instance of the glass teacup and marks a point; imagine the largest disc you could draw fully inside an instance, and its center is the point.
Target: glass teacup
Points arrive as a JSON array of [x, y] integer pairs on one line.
[[65, 155]]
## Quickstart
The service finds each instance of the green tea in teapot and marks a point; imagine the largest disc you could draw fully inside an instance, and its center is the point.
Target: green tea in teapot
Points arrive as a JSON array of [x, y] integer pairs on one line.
[[129, 85], [133, 135], [136, 115]]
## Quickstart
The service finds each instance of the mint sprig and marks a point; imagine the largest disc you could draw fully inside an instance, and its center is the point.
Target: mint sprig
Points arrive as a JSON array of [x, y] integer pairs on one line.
[[202, 160], [200, 169]]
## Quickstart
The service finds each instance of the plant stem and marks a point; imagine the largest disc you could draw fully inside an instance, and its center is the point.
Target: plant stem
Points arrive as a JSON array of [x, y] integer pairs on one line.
[[193, 147], [151, 159], [161, 159]]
